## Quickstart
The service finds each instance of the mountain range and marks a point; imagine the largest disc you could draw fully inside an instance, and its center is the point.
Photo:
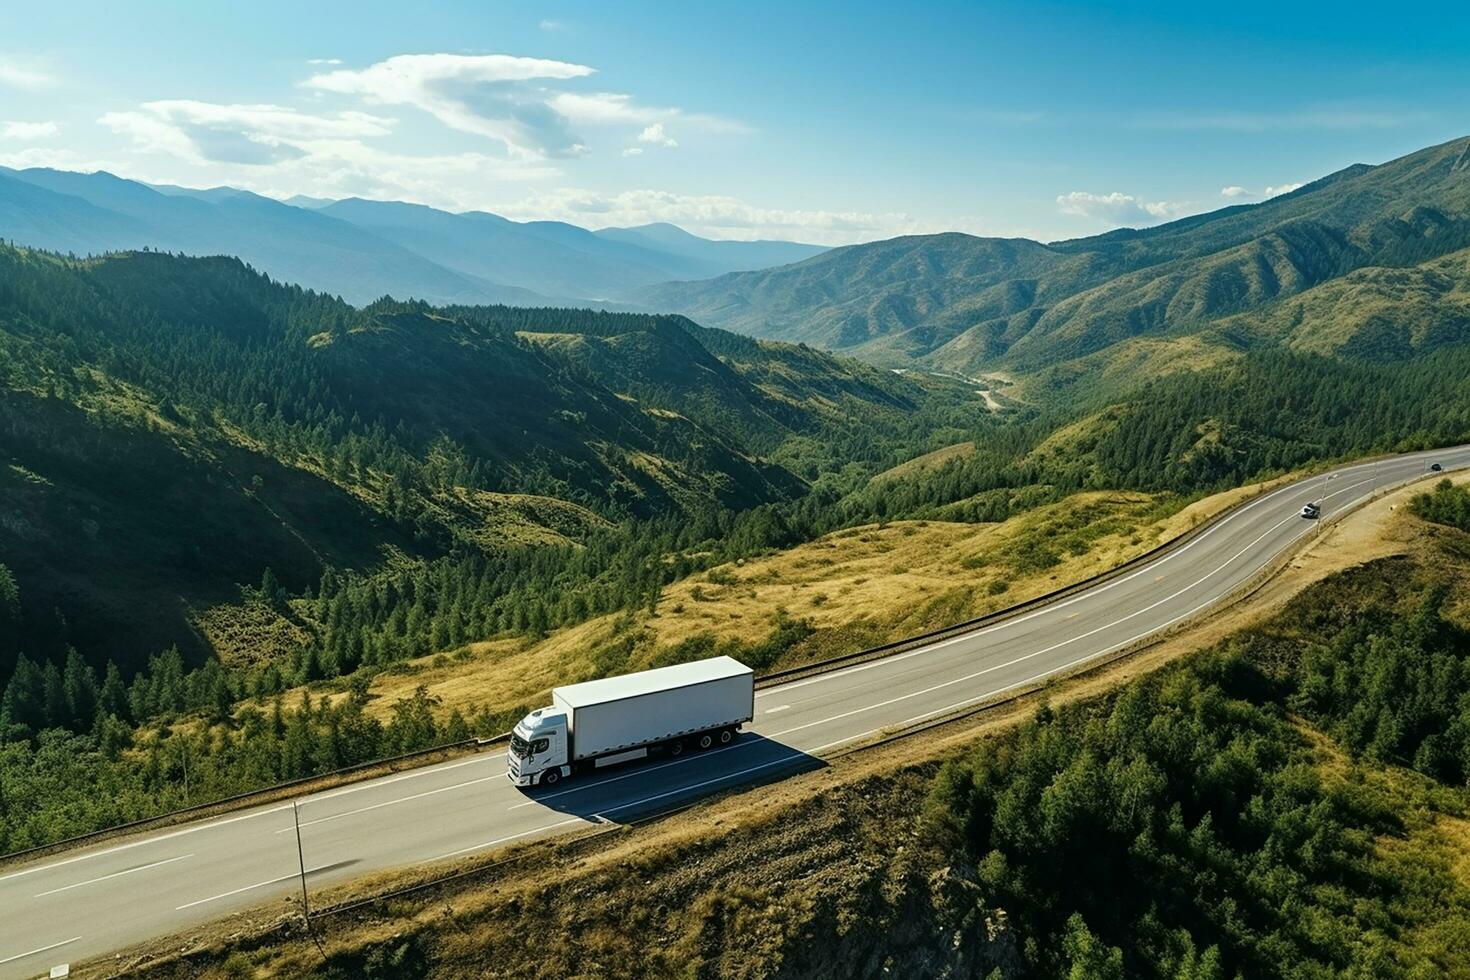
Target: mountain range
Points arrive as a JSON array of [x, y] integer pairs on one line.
[[299, 431], [1184, 293], [362, 250]]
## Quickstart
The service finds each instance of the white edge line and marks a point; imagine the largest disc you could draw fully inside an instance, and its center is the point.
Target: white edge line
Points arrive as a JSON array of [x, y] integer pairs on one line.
[[504, 840], [373, 784], [115, 874], [393, 802], [246, 888], [21, 956]]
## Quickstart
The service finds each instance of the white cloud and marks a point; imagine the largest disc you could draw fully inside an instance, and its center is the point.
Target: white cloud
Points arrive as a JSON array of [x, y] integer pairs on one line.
[[57, 158], [24, 75], [248, 134], [1121, 210], [611, 108], [633, 151], [553, 25], [349, 168], [1282, 189], [1234, 190], [718, 216], [486, 95], [28, 130], [655, 134], [323, 61]]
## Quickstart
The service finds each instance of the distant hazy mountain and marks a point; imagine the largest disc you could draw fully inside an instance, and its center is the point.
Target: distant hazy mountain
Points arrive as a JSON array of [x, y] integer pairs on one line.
[[1131, 301], [714, 258], [94, 213], [557, 258], [550, 258], [362, 250]]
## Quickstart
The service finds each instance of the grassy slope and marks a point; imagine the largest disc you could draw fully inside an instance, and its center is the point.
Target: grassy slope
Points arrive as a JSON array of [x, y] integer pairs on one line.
[[848, 590], [113, 426]]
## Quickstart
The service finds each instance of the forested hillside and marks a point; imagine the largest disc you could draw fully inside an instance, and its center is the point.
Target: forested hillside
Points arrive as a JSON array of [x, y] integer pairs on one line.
[[971, 305], [174, 427]]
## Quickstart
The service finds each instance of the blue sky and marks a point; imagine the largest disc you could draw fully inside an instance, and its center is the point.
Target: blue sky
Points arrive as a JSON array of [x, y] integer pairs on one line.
[[826, 122]]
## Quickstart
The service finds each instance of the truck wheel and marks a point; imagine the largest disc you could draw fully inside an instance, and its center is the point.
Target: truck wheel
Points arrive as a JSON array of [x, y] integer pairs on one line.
[[676, 747], [706, 740], [727, 735], [551, 777]]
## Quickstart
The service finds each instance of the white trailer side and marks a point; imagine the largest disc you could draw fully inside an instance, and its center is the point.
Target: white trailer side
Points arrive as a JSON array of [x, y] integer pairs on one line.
[[621, 713]]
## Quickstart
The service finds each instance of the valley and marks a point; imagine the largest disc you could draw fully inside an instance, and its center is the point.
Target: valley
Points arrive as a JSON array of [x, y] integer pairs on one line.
[[260, 520]]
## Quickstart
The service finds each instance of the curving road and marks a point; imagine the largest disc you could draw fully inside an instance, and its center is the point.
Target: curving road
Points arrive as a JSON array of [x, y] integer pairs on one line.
[[92, 901]]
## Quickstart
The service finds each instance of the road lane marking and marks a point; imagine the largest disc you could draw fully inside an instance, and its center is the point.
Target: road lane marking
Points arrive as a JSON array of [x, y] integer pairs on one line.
[[401, 799], [115, 874], [214, 824], [796, 756], [743, 743], [1305, 484], [1053, 607], [1046, 673], [258, 884], [1082, 636], [1045, 609], [378, 783], [505, 840], [140, 843], [779, 707], [21, 956]]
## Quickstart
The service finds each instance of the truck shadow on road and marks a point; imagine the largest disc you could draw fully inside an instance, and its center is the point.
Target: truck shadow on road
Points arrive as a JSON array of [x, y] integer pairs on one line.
[[623, 794]]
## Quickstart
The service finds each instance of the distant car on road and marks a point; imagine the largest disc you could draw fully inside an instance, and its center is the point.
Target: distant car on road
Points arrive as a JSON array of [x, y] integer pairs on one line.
[[1311, 512], [1435, 467]]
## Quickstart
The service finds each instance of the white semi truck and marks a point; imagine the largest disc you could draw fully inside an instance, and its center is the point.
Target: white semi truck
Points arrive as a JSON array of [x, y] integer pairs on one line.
[[619, 719]]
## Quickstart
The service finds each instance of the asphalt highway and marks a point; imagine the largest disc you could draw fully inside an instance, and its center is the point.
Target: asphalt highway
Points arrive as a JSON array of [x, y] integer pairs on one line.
[[80, 904]]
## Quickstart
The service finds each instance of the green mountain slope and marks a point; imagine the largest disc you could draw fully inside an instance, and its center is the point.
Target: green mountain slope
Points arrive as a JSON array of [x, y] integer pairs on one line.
[[969, 305], [173, 427]]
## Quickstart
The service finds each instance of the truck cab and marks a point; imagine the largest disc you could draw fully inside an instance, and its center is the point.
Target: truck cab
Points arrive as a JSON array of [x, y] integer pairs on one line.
[[538, 748]]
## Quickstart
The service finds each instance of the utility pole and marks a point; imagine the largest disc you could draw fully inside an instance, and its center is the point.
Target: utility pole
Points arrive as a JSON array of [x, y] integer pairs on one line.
[[301, 863]]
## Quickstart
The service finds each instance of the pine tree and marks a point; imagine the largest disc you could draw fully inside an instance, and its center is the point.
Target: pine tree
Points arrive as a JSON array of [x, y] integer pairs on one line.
[[114, 696], [79, 684]]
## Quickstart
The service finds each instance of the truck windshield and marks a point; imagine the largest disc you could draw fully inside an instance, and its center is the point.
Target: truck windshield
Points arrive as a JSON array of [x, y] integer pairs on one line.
[[519, 746]]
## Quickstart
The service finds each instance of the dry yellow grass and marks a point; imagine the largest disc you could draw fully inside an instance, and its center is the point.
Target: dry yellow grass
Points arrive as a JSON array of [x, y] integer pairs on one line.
[[857, 588]]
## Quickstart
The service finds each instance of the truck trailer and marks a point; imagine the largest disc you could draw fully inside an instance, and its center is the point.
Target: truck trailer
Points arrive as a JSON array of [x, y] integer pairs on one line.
[[619, 719]]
